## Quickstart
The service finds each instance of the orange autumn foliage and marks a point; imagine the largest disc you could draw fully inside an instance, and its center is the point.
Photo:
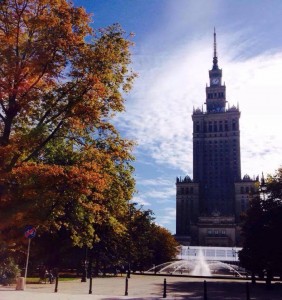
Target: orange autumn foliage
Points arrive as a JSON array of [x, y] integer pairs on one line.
[[62, 162]]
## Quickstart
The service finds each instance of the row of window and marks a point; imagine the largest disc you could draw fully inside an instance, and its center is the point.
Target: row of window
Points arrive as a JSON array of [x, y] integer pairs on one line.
[[216, 126], [213, 177], [217, 135], [216, 232], [186, 191], [221, 142], [246, 190], [215, 95], [219, 150]]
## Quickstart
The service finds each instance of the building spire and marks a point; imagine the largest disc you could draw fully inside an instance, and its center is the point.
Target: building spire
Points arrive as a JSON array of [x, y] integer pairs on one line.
[[215, 66]]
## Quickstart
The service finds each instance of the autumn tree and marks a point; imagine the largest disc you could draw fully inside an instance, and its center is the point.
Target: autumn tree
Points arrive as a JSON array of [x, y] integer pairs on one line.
[[262, 244], [63, 164], [165, 247], [148, 244]]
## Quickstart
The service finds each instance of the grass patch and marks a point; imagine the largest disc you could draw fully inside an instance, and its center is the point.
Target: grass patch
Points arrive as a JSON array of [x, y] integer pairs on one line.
[[67, 278], [35, 280]]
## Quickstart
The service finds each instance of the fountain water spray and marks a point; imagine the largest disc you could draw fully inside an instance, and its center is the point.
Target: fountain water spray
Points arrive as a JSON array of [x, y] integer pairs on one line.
[[201, 267], [198, 265]]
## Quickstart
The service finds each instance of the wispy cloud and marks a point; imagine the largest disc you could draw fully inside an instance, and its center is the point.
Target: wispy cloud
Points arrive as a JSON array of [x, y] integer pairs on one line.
[[167, 216], [161, 194], [154, 182], [161, 190], [140, 201], [173, 62], [159, 116]]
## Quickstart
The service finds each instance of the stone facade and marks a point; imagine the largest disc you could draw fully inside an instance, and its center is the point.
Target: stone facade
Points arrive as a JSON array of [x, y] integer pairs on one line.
[[208, 208]]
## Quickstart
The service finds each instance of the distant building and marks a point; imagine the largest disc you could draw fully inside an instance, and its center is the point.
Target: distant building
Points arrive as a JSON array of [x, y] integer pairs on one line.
[[208, 207]]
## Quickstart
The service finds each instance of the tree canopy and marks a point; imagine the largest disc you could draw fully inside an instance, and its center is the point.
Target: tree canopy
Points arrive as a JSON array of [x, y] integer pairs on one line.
[[63, 164], [148, 244], [262, 247], [141, 245]]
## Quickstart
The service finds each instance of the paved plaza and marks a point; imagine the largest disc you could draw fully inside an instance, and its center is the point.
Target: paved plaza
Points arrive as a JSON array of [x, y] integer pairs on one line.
[[144, 287]]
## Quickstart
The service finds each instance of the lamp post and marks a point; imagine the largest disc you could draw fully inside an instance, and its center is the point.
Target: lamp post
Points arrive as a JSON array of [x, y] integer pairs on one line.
[[84, 267], [129, 242]]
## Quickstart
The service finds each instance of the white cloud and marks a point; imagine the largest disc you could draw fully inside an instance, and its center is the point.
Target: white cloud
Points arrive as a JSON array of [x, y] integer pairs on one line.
[[173, 71], [159, 114], [160, 190], [167, 216], [154, 182], [161, 194], [140, 201]]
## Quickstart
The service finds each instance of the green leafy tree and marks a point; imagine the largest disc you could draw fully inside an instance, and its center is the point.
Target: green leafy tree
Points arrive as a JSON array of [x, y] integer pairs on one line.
[[8, 267], [165, 247], [262, 246], [148, 243]]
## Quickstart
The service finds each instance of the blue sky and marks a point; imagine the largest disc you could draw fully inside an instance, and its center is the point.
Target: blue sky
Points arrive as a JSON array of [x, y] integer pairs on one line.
[[172, 55]]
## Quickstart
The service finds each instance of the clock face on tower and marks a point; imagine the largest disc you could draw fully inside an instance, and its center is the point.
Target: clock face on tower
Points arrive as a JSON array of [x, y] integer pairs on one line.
[[215, 80]]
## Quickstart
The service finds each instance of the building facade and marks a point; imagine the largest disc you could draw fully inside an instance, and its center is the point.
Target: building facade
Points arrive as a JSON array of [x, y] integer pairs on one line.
[[208, 208]]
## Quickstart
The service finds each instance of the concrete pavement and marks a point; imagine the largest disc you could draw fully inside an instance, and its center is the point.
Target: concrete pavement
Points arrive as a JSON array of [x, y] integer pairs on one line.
[[144, 287]]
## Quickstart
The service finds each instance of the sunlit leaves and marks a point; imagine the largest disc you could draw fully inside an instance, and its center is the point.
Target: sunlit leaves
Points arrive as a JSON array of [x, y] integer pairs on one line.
[[262, 250], [62, 162]]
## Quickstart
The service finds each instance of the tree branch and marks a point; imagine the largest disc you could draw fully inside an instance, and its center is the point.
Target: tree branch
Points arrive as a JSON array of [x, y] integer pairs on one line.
[[44, 142], [2, 117]]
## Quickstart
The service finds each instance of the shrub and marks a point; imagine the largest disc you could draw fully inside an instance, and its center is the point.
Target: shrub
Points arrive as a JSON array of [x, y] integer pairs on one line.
[[9, 270]]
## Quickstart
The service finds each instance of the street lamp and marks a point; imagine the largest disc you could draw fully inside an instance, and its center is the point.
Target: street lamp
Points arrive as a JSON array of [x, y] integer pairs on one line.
[[84, 267], [129, 242]]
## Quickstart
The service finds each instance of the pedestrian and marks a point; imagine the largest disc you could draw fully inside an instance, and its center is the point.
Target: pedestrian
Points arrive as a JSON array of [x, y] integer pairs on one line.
[[51, 277]]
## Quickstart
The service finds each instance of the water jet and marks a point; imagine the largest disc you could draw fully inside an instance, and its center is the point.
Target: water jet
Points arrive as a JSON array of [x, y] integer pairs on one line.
[[198, 264]]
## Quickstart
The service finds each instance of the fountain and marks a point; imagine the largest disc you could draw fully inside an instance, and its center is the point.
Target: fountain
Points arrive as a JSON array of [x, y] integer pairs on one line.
[[199, 266]]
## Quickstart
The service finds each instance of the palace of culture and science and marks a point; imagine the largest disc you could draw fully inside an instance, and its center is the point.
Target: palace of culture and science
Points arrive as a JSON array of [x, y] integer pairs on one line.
[[208, 207]]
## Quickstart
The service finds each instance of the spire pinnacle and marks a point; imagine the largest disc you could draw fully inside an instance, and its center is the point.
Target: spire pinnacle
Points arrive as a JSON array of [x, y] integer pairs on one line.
[[214, 43], [215, 66]]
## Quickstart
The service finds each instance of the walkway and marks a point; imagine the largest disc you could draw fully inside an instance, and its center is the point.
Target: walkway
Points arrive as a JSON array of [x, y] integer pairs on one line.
[[144, 287]]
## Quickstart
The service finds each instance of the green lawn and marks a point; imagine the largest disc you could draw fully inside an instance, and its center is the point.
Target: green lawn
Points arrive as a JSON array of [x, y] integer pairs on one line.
[[36, 279]]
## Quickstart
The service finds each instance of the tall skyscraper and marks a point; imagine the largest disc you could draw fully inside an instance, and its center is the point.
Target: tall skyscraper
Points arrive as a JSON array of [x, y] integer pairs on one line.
[[208, 207]]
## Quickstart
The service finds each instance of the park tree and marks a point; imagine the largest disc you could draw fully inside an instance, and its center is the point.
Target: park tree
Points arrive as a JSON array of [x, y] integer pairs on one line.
[[262, 241], [149, 243], [165, 247], [140, 244], [63, 164]]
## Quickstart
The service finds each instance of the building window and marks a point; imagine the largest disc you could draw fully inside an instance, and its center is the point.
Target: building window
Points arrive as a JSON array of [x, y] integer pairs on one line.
[[210, 126], [234, 127], [220, 126]]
